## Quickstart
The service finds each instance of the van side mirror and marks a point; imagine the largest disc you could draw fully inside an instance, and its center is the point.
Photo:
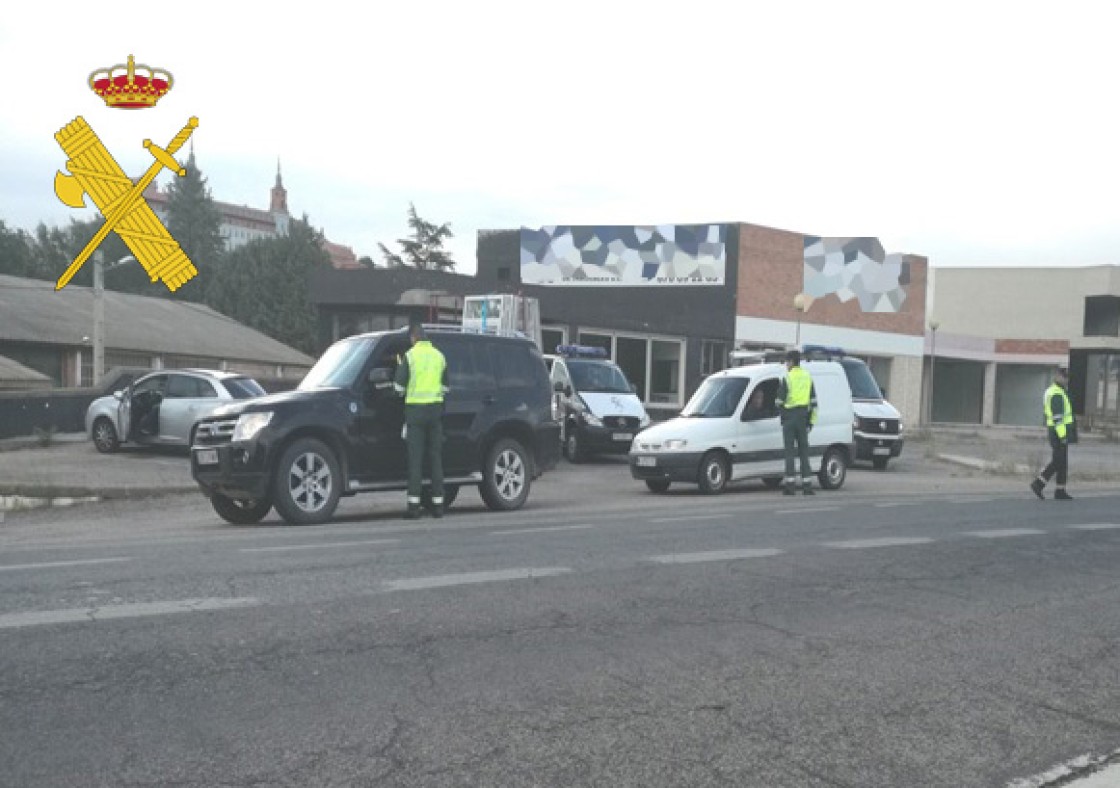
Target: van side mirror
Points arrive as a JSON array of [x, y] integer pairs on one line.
[[633, 388], [380, 377], [118, 394]]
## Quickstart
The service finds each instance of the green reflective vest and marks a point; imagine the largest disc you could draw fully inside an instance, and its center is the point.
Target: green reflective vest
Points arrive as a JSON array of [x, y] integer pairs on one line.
[[799, 387], [1059, 423], [425, 374]]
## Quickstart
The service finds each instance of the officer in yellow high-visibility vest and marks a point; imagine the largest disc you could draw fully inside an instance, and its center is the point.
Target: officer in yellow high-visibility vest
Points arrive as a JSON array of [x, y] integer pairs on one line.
[[422, 379], [1060, 429], [797, 403]]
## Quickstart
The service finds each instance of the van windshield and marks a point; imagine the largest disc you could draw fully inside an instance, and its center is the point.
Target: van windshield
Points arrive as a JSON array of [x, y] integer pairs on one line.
[[861, 381], [339, 366], [716, 398], [598, 376]]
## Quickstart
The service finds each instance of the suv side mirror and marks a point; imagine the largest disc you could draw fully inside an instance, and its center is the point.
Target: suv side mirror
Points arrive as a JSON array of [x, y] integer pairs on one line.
[[381, 377]]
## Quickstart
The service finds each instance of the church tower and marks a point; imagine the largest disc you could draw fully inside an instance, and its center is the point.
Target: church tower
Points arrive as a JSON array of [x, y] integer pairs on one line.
[[278, 206]]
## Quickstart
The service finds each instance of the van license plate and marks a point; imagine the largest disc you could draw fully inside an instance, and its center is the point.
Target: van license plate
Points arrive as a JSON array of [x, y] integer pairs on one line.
[[623, 436], [647, 462], [207, 456], [881, 450]]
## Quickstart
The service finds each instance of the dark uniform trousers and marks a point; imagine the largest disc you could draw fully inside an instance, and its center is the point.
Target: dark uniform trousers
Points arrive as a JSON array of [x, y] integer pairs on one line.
[[1059, 458], [795, 429], [424, 437]]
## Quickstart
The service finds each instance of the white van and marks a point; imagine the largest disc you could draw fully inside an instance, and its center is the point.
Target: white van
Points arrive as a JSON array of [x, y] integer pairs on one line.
[[598, 408], [730, 431]]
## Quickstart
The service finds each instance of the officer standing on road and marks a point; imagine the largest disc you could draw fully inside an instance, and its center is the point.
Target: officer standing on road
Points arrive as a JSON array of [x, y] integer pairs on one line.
[[797, 399], [1060, 429], [422, 379]]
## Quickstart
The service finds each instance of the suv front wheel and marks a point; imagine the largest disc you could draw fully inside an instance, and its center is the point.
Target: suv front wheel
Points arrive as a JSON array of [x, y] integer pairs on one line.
[[506, 476], [308, 482], [240, 512]]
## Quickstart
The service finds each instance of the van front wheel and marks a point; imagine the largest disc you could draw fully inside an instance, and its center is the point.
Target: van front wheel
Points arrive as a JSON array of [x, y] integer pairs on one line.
[[834, 469], [713, 473]]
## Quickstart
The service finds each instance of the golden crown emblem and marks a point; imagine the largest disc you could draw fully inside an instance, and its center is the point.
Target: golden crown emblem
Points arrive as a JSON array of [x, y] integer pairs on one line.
[[137, 87]]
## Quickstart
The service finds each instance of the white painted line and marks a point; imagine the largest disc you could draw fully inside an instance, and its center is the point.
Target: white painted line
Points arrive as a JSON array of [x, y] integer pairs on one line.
[[281, 548], [693, 517], [714, 555], [467, 578], [896, 505], [807, 510], [1096, 526], [1005, 533], [57, 564], [136, 610], [542, 529], [1084, 771], [970, 500], [887, 541]]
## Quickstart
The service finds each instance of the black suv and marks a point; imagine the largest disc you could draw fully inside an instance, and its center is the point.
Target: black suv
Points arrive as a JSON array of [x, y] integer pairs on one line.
[[339, 432]]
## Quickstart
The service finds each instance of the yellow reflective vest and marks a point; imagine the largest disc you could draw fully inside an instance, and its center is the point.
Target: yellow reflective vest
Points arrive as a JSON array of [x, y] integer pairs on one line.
[[425, 374], [1059, 422]]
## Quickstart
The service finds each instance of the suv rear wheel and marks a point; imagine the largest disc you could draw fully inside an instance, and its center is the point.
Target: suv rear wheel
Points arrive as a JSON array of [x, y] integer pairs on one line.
[[506, 476], [240, 512], [105, 436], [308, 482]]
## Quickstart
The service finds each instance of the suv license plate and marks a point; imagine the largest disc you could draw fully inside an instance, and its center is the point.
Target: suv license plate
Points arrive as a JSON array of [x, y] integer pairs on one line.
[[206, 456], [623, 436], [881, 450], [647, 462]]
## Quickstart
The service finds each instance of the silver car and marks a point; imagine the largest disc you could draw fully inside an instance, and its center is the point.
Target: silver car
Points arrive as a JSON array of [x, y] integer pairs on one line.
[[160, 408]]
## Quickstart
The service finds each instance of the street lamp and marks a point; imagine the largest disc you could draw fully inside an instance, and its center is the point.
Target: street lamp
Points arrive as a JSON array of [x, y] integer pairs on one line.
[[933, 326], [800, 305], [99, 269]]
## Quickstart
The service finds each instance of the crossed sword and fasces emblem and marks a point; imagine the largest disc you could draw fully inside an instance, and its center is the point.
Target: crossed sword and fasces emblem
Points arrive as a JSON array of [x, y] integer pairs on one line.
[[93, 171]]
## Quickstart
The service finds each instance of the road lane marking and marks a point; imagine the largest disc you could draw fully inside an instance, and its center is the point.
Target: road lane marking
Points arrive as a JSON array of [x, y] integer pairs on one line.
[[713, 555], [807, 510], [58, 564], [1096, 526], [887, 541], [688, 518], [896, 505], [1005, 533], [542, 529], [281, 548], [970, 500], [468, 578], [91, 614]]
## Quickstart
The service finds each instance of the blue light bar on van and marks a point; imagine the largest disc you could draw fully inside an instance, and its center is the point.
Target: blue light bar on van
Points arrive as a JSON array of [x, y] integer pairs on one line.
[[823, 350], [581, 351]]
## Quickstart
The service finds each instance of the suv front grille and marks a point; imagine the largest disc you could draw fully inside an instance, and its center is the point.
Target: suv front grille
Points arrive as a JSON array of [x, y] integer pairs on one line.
[[879, 426], [212, 433]]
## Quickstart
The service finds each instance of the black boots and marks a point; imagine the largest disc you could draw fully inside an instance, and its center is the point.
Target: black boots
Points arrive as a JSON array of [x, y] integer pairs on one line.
[[436, 510], [1036, 488], [1062, 495], [413, 512]]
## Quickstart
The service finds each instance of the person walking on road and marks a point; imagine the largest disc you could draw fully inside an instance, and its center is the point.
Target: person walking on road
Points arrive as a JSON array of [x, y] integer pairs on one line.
[[1060, 429], [422, 379], [797, 401]]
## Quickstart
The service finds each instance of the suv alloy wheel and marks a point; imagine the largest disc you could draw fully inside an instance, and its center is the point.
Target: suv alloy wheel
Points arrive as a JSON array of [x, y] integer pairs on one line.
[[506, 476], [307, 482]]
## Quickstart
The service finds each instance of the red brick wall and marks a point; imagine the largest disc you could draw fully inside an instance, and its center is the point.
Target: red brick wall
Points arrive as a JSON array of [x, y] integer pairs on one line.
[[1042, 347], [771, 273]]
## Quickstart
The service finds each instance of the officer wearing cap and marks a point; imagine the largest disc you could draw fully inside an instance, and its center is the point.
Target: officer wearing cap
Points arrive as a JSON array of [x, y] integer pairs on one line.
[[422, 379], [1060, 429], [797, 402]]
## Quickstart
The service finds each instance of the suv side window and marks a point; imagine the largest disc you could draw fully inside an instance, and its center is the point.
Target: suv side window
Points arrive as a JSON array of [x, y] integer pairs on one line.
[[512, 362], [154, 383], [184, 386], [469, 367]]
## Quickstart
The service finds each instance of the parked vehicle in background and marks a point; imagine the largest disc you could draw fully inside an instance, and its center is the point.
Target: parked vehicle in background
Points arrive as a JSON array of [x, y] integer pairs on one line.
[[730, 430], [598, 408], [160, 408], [340, 432], [877, 434]]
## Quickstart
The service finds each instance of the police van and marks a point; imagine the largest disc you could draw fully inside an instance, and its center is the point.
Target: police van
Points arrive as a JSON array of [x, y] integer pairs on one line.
[[730, 431], [598, 409]]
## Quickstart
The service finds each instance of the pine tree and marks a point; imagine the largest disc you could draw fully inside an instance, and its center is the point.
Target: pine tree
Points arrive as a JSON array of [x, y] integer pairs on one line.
[[194, 222], [424, 248]]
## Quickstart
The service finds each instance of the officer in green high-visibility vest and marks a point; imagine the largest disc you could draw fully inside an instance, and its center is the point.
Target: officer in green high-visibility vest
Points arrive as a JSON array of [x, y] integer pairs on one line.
[[797, 403], [422, 379], [1061, 430]]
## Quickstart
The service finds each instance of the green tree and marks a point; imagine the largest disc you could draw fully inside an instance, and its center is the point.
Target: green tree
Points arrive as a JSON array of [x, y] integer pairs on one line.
[[54, 248], [15, 252], [264, 285], [424, 248], [193, 221]]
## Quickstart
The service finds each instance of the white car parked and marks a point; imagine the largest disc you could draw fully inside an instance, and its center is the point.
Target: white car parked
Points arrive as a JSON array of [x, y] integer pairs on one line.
[[730, 430], [160, 408]]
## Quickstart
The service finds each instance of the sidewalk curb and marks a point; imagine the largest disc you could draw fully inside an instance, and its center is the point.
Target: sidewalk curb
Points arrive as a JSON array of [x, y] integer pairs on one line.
[[34, 496], [33, 442], [977, 464]]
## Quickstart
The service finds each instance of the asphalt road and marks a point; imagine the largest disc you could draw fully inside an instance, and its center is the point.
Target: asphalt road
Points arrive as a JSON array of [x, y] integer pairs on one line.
[[917, 628]]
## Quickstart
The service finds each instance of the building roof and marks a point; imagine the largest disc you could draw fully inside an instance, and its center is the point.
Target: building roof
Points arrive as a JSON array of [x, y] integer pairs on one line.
[[34, 312], [16, 375]]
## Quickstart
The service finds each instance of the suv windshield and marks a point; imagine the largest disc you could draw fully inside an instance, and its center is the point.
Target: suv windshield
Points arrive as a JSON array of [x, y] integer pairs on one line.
[[598, 376], [339, 366], [243, 388], [861, 381], [716, 398]]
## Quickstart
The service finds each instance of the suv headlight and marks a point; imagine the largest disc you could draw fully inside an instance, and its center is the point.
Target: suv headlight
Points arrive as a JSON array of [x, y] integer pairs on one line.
[[249, 424], [673, 444], [592, 419]]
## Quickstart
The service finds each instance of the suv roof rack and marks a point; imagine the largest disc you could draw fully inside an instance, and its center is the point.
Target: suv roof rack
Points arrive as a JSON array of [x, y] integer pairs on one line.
[[743, 358], [492, 330]]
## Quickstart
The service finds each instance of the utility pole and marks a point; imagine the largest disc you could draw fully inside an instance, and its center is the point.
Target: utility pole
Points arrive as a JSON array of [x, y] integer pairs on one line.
[[98, 315]]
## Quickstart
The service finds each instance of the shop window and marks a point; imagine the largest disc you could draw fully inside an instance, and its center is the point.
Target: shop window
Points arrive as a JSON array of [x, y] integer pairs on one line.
[[1102, 316], [631, 358], [597, 340], [550, 338], [713, 357], [665, 372]]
